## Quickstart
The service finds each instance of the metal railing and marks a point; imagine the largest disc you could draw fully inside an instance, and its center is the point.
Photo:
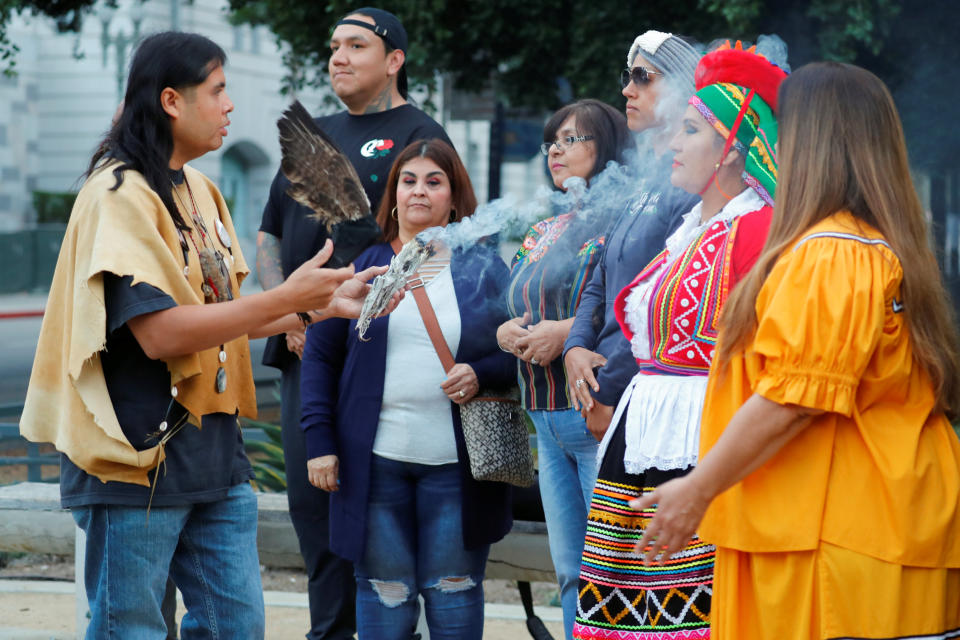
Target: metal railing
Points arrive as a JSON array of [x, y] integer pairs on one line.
[[35, 460], [10, 439]]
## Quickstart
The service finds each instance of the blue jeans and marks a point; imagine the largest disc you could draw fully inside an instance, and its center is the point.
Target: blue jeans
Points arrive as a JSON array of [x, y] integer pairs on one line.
[[414, 546], [210, 551], [567, 455]]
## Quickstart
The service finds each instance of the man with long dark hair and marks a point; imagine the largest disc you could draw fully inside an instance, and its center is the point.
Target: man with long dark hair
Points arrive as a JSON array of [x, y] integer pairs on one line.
[[368, 74], [145, 341]]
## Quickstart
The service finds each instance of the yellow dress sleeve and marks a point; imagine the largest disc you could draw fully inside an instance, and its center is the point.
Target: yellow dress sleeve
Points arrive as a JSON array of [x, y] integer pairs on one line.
[[820, 315]]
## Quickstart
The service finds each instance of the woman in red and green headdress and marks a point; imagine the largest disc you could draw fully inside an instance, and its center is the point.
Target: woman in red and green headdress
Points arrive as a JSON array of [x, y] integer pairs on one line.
[[724, 151]]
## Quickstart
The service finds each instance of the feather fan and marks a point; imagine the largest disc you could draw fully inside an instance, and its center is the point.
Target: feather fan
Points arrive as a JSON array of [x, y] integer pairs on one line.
[[323, 180]]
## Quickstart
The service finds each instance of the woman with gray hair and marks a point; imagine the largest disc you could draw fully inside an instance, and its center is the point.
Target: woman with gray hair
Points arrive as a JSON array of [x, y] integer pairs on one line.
[[656, 83]]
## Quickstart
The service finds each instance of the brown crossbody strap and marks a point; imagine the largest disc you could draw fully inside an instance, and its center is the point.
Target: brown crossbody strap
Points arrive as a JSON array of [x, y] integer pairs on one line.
[[429, 318]]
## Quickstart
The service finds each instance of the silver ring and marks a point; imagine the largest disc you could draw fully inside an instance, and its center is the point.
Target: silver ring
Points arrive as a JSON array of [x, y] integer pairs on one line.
[[462, 393], [534, 361], [580, 382]]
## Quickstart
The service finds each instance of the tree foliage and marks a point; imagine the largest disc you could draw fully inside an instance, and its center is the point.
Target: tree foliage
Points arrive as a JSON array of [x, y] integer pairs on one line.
[[68, 15], [535, 53], [910, 45]]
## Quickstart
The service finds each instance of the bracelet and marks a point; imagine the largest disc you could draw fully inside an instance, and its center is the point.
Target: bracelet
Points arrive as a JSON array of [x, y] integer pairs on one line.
[[305, 319]]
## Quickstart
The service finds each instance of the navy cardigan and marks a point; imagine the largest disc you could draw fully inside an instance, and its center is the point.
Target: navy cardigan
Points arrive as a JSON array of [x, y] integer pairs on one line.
[[341, 388]]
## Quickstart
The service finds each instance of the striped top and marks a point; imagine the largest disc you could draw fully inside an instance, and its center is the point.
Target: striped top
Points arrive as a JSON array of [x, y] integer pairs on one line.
[[548, 274]]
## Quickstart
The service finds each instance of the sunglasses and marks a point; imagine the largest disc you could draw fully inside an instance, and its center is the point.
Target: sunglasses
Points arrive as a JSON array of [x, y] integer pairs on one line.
[[638, 76]]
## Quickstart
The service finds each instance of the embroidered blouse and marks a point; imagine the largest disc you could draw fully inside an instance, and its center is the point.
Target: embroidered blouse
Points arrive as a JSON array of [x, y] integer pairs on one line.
[[670, 314], [547, 277]]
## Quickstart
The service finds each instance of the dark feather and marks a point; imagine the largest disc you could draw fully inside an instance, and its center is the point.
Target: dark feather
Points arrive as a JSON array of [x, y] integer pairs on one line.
[[320, 174]]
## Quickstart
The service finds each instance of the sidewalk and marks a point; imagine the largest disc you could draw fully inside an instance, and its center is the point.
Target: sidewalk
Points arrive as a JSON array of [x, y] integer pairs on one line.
[[44, 610]]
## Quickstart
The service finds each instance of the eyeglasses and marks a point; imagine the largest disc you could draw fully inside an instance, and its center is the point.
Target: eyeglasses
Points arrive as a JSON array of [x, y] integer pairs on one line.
[[563, 143], [638, 75]]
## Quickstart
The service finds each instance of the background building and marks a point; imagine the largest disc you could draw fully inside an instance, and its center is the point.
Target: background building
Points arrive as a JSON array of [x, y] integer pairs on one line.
[[67, 86]]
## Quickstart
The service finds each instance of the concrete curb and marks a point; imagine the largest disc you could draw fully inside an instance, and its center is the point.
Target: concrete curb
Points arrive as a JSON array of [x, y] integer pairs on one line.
[[491, 611]]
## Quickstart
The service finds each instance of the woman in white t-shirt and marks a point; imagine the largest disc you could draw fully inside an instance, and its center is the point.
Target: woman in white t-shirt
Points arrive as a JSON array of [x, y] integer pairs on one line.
[[382, 419]]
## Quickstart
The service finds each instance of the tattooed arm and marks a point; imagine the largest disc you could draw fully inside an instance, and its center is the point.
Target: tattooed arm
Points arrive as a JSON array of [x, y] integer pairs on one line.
[[269, 271]]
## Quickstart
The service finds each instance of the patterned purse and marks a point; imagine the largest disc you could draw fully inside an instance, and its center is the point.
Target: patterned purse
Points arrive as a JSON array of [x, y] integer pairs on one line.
[[494, 427], [498, 444]]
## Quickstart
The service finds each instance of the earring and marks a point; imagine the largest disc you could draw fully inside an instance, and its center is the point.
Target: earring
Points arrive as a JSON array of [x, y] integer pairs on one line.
[[393, 213], [453, 215]]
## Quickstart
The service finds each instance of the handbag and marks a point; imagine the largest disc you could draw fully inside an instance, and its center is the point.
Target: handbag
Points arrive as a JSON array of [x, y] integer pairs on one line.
[[494, 423]]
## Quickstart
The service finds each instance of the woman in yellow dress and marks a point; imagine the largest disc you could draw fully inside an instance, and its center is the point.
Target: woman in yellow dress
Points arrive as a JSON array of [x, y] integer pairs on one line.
[[830, 475]]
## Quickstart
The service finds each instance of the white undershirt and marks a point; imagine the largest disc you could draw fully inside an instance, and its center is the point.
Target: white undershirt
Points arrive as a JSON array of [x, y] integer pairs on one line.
[[416, 424]]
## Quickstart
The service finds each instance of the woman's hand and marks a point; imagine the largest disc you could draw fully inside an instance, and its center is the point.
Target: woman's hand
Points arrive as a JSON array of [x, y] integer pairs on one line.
[[461, 383], [757, 431], [510, 331], [311, 286], [544, 341], [347, 300], [598, 419], [296, 339], [324, 472], [580, 363], [680, 508]]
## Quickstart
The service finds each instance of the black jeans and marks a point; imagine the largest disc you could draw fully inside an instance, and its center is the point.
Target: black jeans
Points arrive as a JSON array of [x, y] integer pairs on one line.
[[330, 583]]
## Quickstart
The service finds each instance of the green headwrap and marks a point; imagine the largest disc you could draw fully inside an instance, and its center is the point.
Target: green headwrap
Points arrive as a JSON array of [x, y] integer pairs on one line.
[[756, 136]]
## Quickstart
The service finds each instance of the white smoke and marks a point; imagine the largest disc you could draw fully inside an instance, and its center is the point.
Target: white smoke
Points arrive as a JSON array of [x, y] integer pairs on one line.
[[601, 202], [773, 48]]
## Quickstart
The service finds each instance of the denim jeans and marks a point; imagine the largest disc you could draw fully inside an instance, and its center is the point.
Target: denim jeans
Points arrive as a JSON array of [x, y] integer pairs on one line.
[[567, 456], [414, 546], [210, 551]]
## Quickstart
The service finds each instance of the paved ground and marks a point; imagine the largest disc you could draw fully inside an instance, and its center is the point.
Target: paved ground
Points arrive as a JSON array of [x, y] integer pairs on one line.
[[36, 610]]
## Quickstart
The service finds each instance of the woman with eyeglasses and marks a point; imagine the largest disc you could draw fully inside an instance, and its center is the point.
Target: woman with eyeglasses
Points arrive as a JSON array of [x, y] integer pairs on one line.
[[547, 275], [723, 152]]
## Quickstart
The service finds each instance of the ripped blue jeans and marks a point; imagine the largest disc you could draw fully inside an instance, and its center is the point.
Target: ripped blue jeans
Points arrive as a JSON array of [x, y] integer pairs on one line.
[[414, 547]]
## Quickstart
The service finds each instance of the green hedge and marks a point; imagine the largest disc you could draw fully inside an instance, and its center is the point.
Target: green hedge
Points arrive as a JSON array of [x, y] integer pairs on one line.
[[53, 206]]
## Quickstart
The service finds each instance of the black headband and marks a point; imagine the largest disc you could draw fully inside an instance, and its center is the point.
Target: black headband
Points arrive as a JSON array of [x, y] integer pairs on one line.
[[377, 29]]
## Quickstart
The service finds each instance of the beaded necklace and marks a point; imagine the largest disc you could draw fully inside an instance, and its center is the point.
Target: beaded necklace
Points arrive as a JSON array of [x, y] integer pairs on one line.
[[216, 287], [215, 284]]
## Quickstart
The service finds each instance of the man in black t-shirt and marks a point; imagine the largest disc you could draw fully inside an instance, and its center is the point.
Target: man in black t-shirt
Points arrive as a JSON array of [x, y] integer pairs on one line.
[[367, 51]]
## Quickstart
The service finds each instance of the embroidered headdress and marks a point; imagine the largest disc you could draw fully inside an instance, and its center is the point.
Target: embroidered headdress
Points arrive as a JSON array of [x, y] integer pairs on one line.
[[737, 94]]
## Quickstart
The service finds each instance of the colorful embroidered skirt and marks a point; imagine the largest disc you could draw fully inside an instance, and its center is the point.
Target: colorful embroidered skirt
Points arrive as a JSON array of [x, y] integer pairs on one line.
[[833, 593], [621, 597]]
